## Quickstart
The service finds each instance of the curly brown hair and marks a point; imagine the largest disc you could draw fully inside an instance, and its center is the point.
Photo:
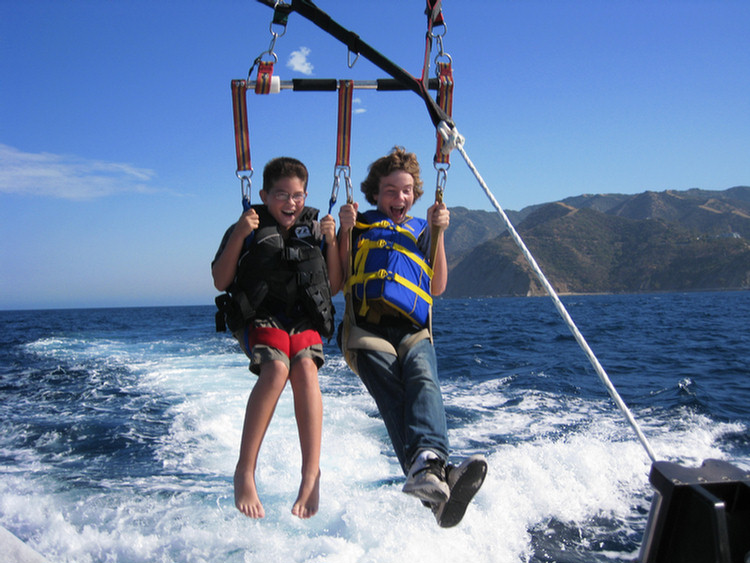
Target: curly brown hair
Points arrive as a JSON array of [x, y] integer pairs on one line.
[[397, 159]]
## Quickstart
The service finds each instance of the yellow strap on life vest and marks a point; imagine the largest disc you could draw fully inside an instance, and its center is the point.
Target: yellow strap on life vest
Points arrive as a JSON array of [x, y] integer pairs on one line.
[[362, 278], [414, 287], [366, 244], [385, 224]]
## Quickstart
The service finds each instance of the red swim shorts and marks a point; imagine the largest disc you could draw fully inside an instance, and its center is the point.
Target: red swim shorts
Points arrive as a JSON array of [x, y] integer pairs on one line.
[[266, 343]]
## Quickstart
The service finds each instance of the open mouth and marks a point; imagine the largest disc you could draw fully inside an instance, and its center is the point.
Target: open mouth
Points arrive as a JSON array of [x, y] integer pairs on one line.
[[398, 213]]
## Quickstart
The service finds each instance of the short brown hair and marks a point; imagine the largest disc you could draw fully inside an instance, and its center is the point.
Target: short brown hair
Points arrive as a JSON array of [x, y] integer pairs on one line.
[[397, 159], [283, 167]]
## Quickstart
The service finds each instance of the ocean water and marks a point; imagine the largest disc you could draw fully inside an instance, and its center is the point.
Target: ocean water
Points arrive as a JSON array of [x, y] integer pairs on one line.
[[119, 432]]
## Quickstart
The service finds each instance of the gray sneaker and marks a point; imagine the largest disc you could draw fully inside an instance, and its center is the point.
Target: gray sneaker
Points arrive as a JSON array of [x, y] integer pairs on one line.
[[464, 482], [428, 483]]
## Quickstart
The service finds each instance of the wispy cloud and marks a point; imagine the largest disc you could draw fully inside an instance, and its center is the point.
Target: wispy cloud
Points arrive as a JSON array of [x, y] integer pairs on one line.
[[298, 61], [68, 177], [358, 102]]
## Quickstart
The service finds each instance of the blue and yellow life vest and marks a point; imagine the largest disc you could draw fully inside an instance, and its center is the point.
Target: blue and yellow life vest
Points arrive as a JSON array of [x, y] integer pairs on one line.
[[388, 266]]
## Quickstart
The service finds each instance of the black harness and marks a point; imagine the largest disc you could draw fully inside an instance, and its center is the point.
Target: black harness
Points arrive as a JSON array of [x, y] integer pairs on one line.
[[285, 278]]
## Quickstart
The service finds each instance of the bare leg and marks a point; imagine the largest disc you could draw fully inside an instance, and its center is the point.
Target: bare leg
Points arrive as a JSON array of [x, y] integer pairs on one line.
[[308, 410], [260, 408]]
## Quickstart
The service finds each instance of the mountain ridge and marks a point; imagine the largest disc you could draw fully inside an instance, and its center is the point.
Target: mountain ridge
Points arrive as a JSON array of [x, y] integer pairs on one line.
[[606, 243]]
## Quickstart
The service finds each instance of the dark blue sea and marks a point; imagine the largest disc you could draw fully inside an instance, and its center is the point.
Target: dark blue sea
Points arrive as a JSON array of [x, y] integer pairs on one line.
[[119, 432]]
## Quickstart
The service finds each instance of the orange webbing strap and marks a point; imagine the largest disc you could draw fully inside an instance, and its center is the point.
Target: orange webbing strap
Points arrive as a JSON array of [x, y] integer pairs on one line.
[[343, 143], [445, 101], [343, 138], [241, 136], [263, 81]]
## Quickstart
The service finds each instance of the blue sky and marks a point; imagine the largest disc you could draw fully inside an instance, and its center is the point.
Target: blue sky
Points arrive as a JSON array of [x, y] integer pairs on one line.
[[117, 164]]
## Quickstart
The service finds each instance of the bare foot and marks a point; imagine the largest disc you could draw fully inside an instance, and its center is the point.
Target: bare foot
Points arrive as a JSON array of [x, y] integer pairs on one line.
[[245, 496], [307, 500]]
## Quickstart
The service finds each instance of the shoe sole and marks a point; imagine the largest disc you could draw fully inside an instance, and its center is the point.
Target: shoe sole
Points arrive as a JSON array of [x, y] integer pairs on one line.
[[470, 477]]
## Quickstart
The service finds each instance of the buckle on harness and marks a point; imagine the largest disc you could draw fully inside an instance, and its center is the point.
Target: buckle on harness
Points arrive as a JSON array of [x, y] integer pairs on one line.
[[298, 253], [292, 254]]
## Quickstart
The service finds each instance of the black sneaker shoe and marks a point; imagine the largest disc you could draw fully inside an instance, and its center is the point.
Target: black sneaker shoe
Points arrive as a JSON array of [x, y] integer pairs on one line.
[[464, 481], [428, 482]]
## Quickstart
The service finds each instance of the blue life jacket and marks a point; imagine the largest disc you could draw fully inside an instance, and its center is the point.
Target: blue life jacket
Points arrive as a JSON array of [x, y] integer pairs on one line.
[[388, 266]]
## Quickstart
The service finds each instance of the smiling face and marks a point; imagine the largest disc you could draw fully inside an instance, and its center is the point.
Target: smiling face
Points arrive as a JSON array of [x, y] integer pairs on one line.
[[285, 200], [395, 195]]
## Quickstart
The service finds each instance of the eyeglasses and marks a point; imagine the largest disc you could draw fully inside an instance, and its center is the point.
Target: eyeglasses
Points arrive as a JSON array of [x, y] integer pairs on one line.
[[298, 197]]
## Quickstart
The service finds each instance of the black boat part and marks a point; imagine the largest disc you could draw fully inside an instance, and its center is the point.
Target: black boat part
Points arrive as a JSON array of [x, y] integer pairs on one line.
[[698, 515]]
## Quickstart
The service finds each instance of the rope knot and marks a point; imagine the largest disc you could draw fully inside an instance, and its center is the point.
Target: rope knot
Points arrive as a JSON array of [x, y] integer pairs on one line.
[[451, 137]]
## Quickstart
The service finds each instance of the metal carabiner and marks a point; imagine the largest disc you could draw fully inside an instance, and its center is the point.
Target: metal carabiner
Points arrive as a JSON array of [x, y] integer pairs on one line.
[[334, 193], [441, 55], [441, 181], [439, 36], [257, 61], [338, 172], [349, 189], [272, 44], [245, 186]]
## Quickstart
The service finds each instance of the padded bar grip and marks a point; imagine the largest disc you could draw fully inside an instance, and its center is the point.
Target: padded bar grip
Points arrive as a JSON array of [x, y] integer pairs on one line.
[[314, 84]]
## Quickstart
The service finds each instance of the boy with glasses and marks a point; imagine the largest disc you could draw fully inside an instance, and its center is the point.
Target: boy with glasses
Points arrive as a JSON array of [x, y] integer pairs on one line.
[[280, 267]]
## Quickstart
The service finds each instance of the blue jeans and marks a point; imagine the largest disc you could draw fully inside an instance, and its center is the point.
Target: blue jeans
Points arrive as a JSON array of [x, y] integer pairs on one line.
[[407, 393]]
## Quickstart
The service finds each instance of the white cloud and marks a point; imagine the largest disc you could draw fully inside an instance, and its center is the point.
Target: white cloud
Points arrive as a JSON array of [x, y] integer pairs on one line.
[[298, 61], [66, 176], [356, 110]]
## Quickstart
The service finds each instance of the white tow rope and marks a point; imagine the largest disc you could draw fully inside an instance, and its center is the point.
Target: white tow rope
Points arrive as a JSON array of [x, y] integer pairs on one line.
[[454, 140]]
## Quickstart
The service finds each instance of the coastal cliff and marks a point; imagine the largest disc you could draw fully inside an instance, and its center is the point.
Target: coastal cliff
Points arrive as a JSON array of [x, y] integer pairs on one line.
[[606, 243]]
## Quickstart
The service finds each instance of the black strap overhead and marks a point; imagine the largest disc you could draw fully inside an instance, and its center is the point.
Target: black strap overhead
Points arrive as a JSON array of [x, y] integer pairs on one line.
[[355, 44]]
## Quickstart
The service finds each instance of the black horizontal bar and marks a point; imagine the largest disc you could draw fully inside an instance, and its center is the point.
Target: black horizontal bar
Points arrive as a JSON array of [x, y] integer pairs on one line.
[[331, 85]]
